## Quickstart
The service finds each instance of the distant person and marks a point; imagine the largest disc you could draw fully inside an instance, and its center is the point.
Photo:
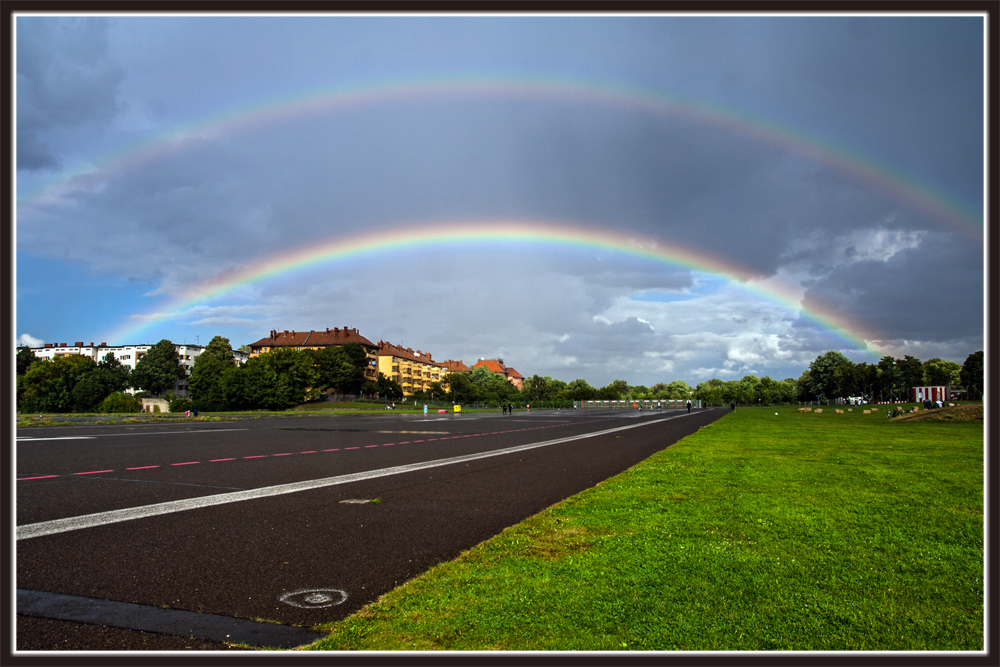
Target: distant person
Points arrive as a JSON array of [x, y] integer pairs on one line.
[[505, 409], [689, 405], [732, 405]]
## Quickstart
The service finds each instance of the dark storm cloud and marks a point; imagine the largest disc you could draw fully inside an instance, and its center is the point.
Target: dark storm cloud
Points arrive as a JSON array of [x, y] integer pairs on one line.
[[65, 80], [933, 292]]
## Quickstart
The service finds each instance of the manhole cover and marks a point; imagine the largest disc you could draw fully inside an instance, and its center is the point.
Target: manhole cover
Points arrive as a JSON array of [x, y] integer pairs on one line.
[[314, 598]]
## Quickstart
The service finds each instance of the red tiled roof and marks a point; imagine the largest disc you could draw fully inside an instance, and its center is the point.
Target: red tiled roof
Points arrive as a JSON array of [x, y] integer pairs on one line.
[[335, 336], [456, 366], [491, 365], [390, 350], [511, 373]]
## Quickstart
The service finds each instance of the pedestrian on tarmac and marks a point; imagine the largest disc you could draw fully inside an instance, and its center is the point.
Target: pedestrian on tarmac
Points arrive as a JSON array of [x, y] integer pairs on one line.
[[689, 405]]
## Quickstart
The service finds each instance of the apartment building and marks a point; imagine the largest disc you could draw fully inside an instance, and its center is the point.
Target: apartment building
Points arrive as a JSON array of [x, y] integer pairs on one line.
[[129, 355], [413, 370], [497, 366], [315, 340]]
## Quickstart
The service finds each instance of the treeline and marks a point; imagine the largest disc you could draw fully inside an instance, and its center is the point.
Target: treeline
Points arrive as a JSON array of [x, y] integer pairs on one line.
[[832, 375], [286, 378]]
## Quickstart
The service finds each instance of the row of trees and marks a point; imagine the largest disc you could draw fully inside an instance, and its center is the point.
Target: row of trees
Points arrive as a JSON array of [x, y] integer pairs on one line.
[[285, 378], [76, 383], [833, 375]]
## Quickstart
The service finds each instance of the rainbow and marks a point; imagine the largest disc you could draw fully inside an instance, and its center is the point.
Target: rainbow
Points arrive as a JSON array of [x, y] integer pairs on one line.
[[501, 231], [856, 166]]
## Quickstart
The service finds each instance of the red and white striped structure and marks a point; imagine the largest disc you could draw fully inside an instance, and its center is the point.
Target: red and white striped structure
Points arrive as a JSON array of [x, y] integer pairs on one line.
[[921, 394]]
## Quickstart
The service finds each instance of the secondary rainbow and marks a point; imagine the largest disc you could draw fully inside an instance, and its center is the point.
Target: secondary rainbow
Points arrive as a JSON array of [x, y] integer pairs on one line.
[[328, 100], [501, 231]]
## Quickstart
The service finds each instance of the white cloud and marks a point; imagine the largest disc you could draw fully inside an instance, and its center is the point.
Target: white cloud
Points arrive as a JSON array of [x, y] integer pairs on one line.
[[29, 340]]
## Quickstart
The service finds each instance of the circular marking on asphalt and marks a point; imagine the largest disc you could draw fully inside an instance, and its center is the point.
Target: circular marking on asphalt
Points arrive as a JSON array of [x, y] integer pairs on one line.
[[314, 598]]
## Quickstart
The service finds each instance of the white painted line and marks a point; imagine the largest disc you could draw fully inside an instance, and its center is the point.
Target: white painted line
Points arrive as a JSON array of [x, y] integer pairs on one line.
[[135, 433], [67, 437], [68, 524]]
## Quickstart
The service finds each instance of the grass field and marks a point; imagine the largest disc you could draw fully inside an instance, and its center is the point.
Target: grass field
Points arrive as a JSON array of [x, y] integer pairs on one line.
[[797, 532]]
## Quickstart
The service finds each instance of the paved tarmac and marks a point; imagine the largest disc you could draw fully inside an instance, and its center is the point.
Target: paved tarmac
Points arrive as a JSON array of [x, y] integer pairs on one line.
[[291, 521]]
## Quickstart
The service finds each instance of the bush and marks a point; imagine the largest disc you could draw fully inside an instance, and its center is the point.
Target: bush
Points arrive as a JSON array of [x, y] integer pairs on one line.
[[120, 402], [180, 405]]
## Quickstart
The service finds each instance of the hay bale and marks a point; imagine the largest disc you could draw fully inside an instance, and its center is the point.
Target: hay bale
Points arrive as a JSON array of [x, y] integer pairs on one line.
[[818, 410], [867, 412]]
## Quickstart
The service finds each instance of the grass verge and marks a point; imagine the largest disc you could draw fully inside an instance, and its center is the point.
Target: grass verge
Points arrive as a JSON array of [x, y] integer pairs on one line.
[[800, 531]]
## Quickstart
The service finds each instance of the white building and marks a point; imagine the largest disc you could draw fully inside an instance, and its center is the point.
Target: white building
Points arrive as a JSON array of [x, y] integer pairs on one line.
[[129, 355]]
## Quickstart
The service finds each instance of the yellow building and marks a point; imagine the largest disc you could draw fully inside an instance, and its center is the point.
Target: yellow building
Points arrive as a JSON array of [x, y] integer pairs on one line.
[[315, 340], [413, 370]]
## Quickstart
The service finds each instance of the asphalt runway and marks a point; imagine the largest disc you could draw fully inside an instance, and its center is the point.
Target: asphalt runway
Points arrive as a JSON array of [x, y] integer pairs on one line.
[[273, 519]]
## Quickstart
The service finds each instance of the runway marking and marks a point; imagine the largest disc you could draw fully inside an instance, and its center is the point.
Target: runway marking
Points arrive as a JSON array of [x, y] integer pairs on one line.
[[68, 524], [65, 437], [39, 477], [261, 456], [92, 472]]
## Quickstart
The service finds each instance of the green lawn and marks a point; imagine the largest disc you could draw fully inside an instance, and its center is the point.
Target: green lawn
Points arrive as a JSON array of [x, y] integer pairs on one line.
[[760, 532]]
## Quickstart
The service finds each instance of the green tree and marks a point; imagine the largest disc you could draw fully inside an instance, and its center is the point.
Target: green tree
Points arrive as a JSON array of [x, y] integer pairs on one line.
[[938, 372], [711, 391], [972, 375], [389, 389], [25, 358], [159, 369], [580, 390], [615, 390], [92, 388], [209, 371], [48, 385], [911, 372], [120, 402], [461, 388], [538, 388], [342, 367], [888, 377], [821, 382], [121, 372]]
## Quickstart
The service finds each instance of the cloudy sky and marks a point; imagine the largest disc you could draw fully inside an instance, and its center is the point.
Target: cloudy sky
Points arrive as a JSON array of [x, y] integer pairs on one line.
[[654, 197]]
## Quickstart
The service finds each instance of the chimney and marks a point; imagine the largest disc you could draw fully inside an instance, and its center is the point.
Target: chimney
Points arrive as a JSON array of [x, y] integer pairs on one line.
[[79, 343], [48, 345], [103, 344]]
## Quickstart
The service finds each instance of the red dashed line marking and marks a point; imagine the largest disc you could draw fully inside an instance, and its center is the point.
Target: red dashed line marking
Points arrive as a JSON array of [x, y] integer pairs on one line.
[[334, 449]]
